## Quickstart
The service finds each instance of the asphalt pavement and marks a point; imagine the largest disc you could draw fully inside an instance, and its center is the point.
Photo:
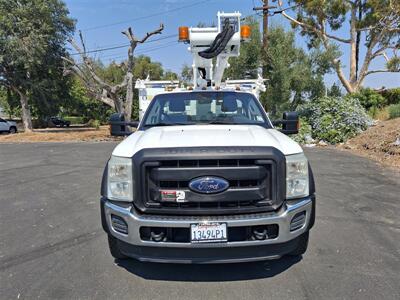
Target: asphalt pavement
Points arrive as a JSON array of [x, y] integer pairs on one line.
[[52, 245]]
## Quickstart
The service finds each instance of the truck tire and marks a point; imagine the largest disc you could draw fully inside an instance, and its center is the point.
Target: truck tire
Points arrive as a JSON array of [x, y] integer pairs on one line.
[[301, 246], [12, 130], [114, 248]]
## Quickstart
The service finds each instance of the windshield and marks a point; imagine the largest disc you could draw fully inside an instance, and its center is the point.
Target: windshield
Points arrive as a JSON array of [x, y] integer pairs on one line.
[[204, 108]]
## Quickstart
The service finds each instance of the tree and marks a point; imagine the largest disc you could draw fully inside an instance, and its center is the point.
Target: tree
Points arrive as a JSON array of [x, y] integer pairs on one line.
[[144, 68], [82, 102], [32, 40], [186, 74], [293, 76], [169, 75], [82, 105], [50, 93], [247, 64], [378, 23], [335, 91], [99, 88], [9, 103]]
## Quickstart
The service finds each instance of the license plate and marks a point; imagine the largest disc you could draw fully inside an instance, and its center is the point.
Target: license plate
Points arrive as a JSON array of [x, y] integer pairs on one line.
[[208, 233]]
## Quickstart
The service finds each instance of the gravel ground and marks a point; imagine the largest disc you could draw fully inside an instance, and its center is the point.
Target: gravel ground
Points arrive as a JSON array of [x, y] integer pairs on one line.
[[380, 143]]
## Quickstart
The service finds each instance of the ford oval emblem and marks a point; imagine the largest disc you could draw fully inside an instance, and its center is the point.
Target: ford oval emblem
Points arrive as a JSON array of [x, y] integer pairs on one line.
[[208, 185]]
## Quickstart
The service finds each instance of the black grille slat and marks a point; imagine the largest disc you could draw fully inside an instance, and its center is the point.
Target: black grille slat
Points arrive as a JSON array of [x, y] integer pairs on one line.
[[212, 162], [232, 184], [229, 173]]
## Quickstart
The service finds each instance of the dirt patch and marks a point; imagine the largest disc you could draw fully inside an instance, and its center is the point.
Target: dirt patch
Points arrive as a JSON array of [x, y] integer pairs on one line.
[[380, 143], [72, 134]]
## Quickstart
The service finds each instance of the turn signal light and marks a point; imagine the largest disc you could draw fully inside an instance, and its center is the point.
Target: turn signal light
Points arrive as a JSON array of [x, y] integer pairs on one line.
[[245, 32], [184, 34]]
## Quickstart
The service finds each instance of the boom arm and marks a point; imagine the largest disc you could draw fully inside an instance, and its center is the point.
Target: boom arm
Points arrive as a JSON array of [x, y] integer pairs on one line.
[[219, 42]]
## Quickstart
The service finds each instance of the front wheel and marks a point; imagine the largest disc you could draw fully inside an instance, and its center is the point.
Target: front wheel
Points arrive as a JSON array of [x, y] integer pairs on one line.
[[302, 245], [12, 130], [114, 248]]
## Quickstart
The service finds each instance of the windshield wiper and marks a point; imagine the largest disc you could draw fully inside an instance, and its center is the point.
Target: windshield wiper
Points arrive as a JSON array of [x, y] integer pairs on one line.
[[222, 122], [167, 124]]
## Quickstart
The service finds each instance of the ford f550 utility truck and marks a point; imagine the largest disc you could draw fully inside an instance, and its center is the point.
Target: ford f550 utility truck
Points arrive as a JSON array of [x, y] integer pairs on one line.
[[206, 178]]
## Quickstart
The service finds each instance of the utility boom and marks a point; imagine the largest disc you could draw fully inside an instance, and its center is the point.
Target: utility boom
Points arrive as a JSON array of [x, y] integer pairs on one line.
[[211, 48], [219, 42]]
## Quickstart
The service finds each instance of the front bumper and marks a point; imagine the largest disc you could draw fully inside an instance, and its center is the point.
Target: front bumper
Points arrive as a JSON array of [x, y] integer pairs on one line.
[[132, 245]]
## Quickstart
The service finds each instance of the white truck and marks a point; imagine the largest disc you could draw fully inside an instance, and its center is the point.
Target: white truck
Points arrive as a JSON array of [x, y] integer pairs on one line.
[[206, 178]]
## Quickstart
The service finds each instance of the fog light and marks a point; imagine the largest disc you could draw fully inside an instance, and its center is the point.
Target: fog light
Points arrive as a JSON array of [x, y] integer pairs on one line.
[[119, 224], [298, 221]]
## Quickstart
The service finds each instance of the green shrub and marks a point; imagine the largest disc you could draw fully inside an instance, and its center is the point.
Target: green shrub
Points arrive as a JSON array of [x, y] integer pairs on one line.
[[335, 119], [382, 114], [74, 120], [392, 96], [305, 132], [94, 123], [394, 111], [371, 100]]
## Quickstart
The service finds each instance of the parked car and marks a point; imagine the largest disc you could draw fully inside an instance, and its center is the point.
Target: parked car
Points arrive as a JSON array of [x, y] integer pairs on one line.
[[8, 126], [56, 121]]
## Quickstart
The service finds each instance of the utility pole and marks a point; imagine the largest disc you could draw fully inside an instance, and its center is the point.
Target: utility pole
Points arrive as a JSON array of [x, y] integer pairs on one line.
[[265, 9], [265, 25]]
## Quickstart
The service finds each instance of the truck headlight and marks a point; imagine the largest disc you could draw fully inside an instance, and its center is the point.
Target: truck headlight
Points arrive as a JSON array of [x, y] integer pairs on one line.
[[297, 184], [119, 179]]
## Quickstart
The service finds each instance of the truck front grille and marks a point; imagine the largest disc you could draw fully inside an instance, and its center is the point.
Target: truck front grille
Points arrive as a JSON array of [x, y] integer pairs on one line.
[[250, 185], [256, 177]]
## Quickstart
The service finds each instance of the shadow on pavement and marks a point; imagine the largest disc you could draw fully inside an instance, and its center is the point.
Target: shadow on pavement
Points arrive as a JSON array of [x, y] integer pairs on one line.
[[209, 273], [72, 128]]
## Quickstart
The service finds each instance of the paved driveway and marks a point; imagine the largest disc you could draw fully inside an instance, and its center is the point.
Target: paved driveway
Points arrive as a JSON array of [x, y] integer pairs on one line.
[[52, 244]]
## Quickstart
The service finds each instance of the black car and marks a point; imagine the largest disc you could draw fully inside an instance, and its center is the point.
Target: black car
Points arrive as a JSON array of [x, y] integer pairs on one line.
[[58, 122]]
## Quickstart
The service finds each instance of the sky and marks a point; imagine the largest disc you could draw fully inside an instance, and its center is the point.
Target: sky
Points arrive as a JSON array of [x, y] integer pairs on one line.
[[102, 21]]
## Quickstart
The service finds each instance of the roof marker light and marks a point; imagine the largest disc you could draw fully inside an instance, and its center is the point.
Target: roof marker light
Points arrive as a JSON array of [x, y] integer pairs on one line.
[[183, 34], [245, 32]]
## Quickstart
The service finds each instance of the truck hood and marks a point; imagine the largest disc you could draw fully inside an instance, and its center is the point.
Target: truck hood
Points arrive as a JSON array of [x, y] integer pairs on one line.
[[206, 136]]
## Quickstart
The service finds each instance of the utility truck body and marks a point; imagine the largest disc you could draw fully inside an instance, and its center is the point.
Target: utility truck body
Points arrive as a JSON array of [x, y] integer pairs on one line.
[[206, 178]]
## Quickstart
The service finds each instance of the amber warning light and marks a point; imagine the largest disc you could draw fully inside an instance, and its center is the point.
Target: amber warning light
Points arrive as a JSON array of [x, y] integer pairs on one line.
[[184, 34], [245, 32]]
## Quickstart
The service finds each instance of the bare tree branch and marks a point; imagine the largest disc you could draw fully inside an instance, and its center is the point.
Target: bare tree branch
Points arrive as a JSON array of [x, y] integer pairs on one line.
[[317, 31], [380, 71], [96, 86], [129, 80], [368, 58], [378, 34], [87, 61], [149, 34]]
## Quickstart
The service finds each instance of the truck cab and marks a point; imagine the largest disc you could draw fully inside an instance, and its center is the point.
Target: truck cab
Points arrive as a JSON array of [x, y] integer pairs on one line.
[[206, 178]]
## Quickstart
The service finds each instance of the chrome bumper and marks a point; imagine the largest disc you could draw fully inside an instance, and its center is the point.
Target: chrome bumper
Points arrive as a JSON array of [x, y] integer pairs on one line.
[[282, 218]]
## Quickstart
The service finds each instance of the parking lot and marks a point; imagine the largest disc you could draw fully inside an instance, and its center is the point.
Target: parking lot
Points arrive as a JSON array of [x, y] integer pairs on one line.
[[52, 244]]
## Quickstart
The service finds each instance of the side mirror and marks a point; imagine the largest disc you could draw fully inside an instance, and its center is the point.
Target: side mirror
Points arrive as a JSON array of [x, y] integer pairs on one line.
[[290, 123], [118, 126]]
